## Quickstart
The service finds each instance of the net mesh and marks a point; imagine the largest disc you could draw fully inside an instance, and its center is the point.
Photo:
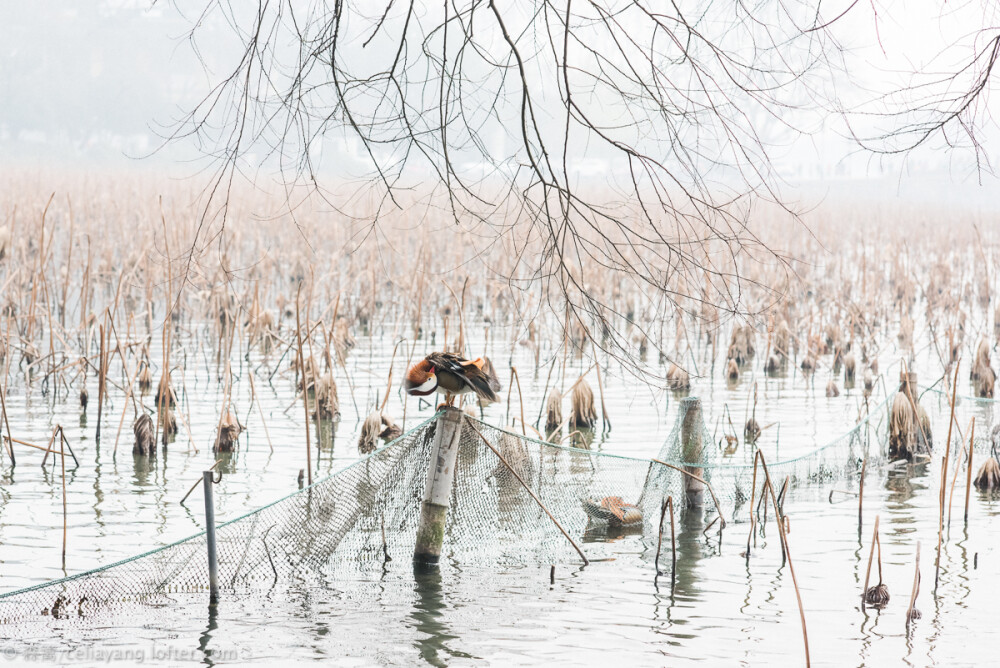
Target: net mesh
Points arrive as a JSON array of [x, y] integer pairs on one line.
[[345, 526]]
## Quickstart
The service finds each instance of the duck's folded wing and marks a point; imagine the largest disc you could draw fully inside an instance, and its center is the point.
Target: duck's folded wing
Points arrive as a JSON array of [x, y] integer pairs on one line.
[[469, 372]]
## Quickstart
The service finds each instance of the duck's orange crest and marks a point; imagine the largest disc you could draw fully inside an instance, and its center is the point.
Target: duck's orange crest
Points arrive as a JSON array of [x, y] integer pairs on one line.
[[418, 372]]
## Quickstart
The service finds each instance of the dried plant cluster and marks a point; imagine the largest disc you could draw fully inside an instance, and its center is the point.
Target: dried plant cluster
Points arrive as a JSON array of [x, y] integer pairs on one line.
[[103, 286]]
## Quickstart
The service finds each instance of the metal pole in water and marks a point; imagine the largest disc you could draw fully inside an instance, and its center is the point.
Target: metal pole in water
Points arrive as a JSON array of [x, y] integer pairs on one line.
[[437, 491], [213, 562], [692, 442]]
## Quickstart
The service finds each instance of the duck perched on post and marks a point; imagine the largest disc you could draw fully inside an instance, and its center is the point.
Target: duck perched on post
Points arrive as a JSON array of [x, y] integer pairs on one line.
[[451, 375]]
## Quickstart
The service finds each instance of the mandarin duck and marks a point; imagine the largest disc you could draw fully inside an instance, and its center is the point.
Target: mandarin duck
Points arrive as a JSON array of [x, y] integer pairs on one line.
[[451, 374]]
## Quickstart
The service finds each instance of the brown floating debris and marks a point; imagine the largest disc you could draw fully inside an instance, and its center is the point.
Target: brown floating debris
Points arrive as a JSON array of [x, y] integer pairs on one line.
[[583, 414], [741, 344], [229, 432], [909, 424], [988, 477], [376, 426], [982, 375], [850, 365], [773, 364], [327, 404], [677, 378], [145, 379], [553, 411], [145, 442]]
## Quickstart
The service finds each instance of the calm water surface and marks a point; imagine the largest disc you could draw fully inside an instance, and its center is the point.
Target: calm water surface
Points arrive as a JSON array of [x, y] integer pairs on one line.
[[723, 610]]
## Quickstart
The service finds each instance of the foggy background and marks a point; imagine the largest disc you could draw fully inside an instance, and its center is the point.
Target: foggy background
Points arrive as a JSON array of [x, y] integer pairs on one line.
[[101, 85]]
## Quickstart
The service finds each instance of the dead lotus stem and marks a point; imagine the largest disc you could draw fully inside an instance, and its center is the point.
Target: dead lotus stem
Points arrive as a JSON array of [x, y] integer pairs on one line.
[[255, 399], [305, 389], [520, 398], [944, 480], [668, 503], [871, 555], [786, 551], [958, 462], [62, 458], [861, 493], [100, 384], [600, 388], [388, 384], [968, 472], [911, 612], [513, 472], [128, 395], [753, 493], [6, 422]]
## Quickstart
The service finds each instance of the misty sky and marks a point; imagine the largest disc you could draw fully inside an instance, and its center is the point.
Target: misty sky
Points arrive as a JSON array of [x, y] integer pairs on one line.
[[101, 83]]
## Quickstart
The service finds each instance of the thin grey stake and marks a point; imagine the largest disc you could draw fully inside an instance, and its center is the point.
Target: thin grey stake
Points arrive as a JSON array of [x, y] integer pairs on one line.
[[503, 461], [213, 562]]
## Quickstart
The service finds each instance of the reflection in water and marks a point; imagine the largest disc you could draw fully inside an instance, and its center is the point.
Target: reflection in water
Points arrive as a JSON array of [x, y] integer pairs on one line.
[[228, 462], [902, 482], [326, 434], [432, 633], [142, 467], [690, 524], [206, 636]]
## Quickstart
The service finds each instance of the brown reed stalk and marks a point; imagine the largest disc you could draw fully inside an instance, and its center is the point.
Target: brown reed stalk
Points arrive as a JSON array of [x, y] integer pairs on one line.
[[101, 389], [388, 383], [255, 399], [545, 392], [347, 377], [958, 462], [534, 496], [787, 554], [6, 422], [908, 393], [461, 318], [753, 493], [968, 476], [62, 452], [668, 502], [916, 589], [227, 394], [600, 388], [871, 555], [69, 265], [128, 395], [520, 398], [861, 493], [944, 479], [416, 333], [305, 388]]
